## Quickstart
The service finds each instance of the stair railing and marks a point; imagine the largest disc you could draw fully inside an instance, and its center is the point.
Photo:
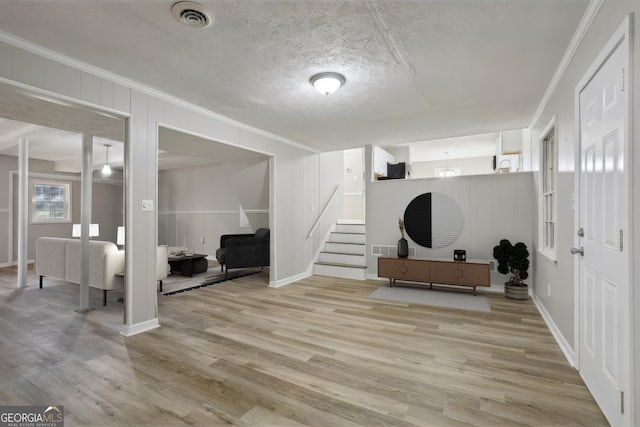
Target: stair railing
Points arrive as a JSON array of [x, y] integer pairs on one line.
[[324, 210]]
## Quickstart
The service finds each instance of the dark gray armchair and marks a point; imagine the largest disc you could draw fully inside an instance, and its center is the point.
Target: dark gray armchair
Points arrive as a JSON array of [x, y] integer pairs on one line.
[[244, 250]]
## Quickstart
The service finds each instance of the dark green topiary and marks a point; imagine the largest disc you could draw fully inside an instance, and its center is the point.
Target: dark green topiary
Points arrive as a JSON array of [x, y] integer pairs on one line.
[[512, 259]]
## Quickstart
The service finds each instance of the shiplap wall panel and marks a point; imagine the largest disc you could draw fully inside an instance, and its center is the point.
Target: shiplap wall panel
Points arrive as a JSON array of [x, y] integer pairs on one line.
[[141, 225], [5, 60], [122, 99], [27, 68], [90, 88], [62, 79], [106, 93]]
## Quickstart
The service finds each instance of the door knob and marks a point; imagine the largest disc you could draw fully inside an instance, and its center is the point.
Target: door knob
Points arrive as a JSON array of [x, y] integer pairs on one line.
[[578, 251]]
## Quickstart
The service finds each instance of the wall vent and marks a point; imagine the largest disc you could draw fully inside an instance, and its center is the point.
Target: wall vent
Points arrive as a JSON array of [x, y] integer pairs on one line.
[[386, 250]]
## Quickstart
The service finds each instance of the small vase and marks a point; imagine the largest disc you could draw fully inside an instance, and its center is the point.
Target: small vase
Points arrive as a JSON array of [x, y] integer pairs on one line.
[[403, 248]]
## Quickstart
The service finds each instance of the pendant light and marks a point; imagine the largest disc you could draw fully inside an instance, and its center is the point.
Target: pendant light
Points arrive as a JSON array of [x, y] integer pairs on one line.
[[106, 169]]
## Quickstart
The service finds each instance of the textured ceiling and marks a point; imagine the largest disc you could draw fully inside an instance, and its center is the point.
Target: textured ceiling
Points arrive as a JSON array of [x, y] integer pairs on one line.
[[416, 69]]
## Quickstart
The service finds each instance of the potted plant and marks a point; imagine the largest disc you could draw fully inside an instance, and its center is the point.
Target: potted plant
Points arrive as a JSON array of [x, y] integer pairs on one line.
[[513, 259]]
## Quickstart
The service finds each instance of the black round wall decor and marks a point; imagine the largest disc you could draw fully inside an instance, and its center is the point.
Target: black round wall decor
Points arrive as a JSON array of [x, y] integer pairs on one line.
[[433, 220]]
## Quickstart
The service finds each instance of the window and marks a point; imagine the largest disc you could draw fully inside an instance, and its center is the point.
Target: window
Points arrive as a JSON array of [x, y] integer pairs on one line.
[[548, 191], [50, 201]]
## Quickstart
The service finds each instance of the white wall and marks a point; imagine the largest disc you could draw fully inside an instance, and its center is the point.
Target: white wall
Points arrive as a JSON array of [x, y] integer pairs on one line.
[[203, 202], [331, 172], [400, 154], [493, 207], [354, 184], [559, 277]]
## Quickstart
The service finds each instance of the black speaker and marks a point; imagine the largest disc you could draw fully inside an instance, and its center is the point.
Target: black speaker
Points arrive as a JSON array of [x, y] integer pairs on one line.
[[396, 171], [459, 255]]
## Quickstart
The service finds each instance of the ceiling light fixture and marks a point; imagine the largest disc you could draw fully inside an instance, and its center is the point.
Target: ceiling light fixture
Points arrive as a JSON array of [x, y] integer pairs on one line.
[[106, 169], [192, 14], [327, 83]]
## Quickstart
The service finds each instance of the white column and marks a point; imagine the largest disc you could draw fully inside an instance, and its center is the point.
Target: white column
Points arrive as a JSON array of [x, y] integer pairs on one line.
[[23, 210], [141, 160], [85, 219]]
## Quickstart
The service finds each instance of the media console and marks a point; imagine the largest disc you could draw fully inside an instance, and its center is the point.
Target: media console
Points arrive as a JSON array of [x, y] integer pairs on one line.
[[471, 273]]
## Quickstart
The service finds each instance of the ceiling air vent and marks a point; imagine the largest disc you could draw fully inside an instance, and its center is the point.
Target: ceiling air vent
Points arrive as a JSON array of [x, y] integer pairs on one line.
[[192, 14]]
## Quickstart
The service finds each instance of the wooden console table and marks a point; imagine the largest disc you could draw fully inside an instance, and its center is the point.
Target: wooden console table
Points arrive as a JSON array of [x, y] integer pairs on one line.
[[471, 273]]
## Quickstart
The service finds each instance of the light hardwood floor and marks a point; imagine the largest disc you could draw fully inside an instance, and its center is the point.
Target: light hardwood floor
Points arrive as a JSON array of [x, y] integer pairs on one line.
[[316, 352]]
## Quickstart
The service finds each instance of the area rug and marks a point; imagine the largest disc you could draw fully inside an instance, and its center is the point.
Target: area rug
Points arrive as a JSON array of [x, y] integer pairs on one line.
[[434, 297], [200, 282]]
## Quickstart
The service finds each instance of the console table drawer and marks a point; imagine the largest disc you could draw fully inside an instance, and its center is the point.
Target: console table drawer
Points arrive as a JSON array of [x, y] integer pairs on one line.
[[403, 269], [460, 273]]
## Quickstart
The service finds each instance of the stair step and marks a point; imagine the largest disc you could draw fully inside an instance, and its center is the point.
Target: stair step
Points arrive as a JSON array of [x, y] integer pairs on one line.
[[351, 228], [341, 258], [337, 264], [350, 221], [347, 237], [343, 271], [350, 248], [342, 253]]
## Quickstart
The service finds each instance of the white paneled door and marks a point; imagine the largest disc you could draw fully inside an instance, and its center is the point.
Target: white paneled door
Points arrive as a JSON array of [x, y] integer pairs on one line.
[[604, 294]]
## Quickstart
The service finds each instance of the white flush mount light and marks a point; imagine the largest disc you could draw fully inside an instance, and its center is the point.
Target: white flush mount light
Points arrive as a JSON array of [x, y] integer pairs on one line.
[[327, 83], [192, 14], [106, 169]]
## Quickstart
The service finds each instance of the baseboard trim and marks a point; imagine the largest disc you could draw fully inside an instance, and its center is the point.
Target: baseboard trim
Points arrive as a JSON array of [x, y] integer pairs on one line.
[[138, 328], [15, 263], [555, 331], [286, 281]]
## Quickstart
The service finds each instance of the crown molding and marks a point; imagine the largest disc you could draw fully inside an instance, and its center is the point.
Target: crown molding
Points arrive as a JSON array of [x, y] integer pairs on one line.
[[147, 90], [584, 25]]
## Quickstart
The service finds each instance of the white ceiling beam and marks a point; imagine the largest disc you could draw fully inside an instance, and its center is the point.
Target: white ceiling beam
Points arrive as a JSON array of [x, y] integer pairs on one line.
[[10, 139]]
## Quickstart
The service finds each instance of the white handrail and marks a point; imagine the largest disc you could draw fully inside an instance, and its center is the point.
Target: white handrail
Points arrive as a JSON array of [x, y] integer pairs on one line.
[[326, 206]]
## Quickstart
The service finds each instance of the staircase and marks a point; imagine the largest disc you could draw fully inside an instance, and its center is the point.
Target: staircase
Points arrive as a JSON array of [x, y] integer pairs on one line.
[[344, 252]]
